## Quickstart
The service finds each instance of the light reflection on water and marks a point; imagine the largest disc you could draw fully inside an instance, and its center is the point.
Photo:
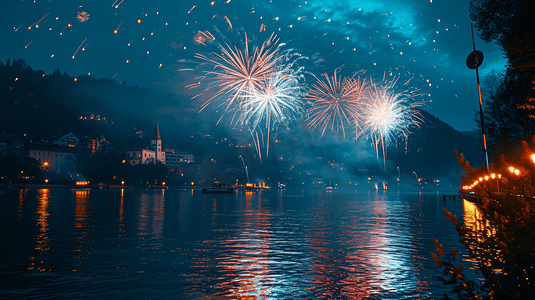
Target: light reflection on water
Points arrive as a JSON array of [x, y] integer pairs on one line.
[[253, 245]]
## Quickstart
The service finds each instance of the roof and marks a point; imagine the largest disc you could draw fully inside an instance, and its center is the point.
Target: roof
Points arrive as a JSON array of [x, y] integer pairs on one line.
[[6, 136], [156, 135]]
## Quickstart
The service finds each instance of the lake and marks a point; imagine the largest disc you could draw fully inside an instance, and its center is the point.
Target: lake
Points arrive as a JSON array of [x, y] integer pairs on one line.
[[181, 244]]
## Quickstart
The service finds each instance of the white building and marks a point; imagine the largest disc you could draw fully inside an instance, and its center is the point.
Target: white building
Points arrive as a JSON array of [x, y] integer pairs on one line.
[[174, 157], [147, 152]]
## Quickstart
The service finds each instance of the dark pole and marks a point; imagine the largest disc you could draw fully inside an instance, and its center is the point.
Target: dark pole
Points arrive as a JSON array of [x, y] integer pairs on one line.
[[480, 103]]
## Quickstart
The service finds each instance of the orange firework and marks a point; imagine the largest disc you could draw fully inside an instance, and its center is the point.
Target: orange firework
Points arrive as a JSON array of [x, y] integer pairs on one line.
[[336, 103], [83, 16]]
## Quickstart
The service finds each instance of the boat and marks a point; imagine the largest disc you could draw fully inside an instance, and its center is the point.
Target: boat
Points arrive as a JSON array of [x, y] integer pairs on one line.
[[218, 188], [81, 186]]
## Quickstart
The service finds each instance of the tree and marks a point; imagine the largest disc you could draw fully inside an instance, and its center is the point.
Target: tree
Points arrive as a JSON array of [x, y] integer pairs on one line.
[[509, 24], [501, 239], [105, 168], [12, 166]]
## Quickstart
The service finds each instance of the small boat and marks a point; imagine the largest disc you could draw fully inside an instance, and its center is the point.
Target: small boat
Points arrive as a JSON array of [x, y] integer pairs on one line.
[[218, 188], [81, 186]]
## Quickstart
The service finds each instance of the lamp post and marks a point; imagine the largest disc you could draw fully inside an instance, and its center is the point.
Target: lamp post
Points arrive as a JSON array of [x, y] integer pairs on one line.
[[474, 60]]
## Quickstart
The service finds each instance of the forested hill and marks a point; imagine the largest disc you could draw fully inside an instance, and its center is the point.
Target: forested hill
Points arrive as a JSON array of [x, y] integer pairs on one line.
[[431, 149], [36, 103]]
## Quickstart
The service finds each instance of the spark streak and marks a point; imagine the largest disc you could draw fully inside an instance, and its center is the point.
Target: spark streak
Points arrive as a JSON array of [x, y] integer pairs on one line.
[[74, 55]]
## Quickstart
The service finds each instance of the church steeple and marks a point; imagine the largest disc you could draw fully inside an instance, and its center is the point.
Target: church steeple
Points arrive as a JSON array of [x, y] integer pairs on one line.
[[156, 135]]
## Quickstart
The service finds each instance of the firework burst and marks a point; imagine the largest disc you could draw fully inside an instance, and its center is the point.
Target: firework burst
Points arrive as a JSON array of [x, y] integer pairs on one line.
[[336, 103], [276, 102], [238, 72], [389, 114], [260, 86]]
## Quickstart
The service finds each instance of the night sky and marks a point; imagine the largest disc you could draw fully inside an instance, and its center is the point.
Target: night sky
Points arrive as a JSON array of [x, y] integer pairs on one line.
[[427, 41]]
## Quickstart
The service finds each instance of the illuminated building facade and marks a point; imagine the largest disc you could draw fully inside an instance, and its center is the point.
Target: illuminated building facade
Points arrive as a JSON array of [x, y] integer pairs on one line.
[[66, 140], [174, 157], [98, 145], [142, 156], [49, 155]]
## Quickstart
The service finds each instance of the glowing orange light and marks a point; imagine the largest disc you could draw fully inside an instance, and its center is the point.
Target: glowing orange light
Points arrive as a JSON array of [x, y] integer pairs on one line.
[[511, 169], [533, 157], [139, 20], [122, 182], [75, 79], [46, 180], [517, 172], [115, 31], [486, 177], [493, 175]]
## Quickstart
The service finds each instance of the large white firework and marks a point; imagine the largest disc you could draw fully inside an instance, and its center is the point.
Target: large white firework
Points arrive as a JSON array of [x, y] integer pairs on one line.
[[389, 114]]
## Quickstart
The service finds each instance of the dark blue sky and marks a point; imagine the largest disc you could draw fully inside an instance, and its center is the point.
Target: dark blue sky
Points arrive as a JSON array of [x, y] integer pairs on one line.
[[426, 40]]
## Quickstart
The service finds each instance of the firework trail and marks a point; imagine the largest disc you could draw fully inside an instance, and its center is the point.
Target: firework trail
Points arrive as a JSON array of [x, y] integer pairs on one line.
[[389, 114], [336, 103]]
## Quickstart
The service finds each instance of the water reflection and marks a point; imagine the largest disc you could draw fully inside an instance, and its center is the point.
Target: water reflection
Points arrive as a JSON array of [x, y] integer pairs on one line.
[[249, 245], [151, 220], [22, 197], [480, 233], [121, 215], [83, 228], [246, 268], [42, 220]]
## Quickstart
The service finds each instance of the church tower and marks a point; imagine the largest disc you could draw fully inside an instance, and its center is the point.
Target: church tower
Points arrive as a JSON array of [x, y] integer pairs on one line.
[[156, 144]]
